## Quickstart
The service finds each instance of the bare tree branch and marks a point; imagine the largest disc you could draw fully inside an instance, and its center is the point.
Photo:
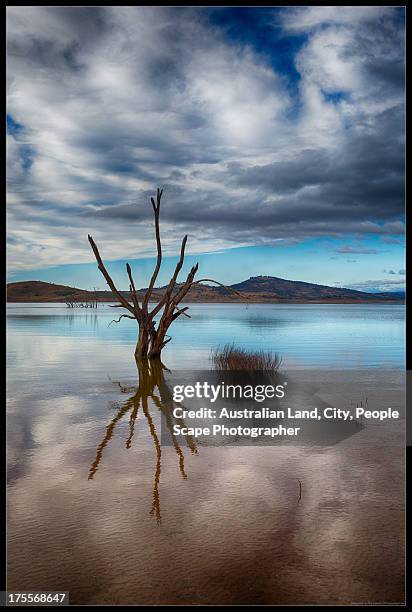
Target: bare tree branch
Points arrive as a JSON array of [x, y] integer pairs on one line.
[[180, 312], [108, 278], [156, 209], [211, 280], [183, 311], [133, 288], [166, 297], [120, 318], [185, 288]]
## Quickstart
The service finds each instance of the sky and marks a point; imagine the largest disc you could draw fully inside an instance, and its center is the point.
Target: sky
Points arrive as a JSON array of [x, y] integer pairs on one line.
[[277, 135]]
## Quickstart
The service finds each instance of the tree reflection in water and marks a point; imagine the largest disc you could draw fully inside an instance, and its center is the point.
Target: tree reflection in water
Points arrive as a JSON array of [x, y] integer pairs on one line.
[[151, 386]]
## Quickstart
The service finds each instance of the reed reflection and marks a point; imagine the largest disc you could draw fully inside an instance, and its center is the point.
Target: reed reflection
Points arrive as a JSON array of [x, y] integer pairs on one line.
[[152, 390]]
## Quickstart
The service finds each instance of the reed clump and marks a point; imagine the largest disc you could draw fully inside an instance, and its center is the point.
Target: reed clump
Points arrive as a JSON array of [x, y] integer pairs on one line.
[[230, 357]]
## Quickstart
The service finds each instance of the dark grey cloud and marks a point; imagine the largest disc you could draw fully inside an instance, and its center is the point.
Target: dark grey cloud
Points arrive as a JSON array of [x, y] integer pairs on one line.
[[114, 101], [400, 272]]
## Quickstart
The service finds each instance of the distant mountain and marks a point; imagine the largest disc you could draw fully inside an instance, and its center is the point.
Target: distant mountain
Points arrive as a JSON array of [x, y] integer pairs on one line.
[[39, 291], [282, 289], [397, 295], [255, 289]]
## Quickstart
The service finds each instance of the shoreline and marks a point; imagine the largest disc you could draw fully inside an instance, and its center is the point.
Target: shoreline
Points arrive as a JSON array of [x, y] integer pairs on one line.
[[252, 301]]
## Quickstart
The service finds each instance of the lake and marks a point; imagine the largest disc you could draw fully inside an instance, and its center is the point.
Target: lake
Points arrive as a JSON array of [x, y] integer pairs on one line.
[[97, 507]]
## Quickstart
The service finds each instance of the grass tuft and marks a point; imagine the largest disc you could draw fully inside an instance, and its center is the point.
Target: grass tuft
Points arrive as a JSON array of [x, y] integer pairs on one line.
[[229, 357]]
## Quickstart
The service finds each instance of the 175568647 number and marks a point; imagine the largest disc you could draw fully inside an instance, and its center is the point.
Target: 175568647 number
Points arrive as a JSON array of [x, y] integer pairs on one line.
[[36, 598]]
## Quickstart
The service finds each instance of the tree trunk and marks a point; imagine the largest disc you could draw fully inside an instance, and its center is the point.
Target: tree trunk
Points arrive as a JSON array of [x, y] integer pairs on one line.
[[142, 346], [157, 343], [156, 347]]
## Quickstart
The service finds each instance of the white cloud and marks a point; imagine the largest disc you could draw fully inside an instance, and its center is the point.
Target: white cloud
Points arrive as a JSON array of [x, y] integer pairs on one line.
[[306, 18], [114, 101]]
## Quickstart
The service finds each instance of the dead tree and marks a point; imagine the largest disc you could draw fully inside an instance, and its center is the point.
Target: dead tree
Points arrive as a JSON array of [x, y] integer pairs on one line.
[[151, 338]]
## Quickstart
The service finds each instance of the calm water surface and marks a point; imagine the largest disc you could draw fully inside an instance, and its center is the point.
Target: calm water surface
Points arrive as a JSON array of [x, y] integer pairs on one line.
[[97, 507]]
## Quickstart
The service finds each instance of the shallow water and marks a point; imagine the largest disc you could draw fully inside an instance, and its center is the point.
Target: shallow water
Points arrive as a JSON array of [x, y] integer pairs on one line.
[[305, 335], [98, 507]]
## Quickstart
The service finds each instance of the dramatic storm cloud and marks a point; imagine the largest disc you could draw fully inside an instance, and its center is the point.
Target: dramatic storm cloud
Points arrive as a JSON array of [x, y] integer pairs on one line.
[[295, 139]]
